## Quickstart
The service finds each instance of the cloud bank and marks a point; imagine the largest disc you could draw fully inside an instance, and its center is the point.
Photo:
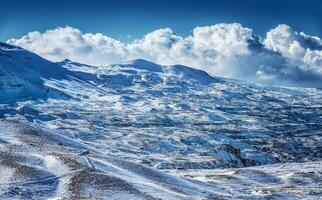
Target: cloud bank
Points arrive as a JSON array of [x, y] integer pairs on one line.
[[284, 56]]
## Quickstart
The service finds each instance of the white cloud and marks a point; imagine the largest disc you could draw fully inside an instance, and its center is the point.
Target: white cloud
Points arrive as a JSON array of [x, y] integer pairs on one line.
[[71, 43], [301, 50], [223, 49], [212, 48]]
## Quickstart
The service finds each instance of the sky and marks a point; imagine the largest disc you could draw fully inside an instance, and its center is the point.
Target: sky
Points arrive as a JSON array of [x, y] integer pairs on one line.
[[270, 42], [128, 19]]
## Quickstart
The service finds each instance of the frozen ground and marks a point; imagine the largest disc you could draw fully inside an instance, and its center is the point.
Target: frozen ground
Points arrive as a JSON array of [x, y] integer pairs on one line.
[[139, 130]]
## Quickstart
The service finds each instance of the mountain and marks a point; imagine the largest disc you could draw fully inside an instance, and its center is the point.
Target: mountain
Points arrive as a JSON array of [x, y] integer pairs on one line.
[[140, 130], [22, 75]]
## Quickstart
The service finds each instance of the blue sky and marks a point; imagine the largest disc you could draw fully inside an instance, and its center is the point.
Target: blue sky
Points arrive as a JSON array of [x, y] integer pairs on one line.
[[126, 19]]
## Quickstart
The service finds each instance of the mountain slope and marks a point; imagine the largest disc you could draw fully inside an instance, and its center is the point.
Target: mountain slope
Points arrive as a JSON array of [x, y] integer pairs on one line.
[[115, 131], [22, 74]]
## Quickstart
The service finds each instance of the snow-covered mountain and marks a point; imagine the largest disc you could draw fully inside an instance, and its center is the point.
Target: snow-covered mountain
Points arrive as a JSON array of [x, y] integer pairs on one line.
[[145, 131], [22, 75]]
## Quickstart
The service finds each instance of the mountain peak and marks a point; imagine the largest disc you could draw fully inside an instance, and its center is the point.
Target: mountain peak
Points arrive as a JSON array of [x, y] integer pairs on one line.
[[191, 73], [142, 64], [23, 74], [67, 63], [6, 46], [66, 60]]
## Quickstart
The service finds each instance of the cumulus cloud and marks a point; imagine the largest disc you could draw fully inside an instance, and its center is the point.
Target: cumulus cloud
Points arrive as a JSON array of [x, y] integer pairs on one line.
[[71, 43], [283, 56], [301, 50]]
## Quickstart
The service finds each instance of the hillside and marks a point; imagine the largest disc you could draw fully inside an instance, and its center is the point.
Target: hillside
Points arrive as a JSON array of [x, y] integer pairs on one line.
[[140, 130]]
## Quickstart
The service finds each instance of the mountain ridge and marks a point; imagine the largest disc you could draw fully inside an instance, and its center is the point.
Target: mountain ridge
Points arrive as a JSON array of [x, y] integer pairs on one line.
[[118, 131]]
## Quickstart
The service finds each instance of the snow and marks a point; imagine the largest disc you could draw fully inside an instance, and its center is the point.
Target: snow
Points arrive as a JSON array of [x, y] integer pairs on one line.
[[22, 75], [278, 181], [152, 131]]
